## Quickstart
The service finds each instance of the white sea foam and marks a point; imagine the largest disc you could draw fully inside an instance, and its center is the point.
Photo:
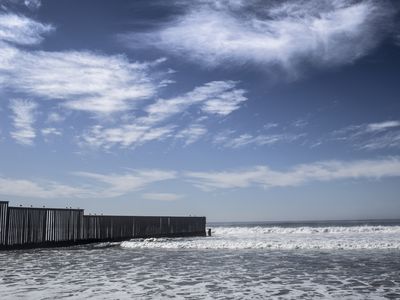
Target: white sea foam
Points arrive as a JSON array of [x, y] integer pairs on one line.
[[107, 271], [275, 237], [257, 230]]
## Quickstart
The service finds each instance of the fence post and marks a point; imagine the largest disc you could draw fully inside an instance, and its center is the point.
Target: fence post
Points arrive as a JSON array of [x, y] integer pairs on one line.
[[7, 226]]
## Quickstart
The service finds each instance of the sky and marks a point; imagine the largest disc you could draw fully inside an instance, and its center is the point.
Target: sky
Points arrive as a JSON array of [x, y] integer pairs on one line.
[[235, 110]]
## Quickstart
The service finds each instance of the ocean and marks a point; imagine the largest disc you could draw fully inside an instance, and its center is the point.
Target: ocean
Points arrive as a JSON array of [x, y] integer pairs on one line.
[[307, 260]]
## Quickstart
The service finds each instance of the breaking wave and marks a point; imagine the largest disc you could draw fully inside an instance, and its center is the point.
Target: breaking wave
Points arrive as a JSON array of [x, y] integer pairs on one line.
[[276, 237], [259, 230]]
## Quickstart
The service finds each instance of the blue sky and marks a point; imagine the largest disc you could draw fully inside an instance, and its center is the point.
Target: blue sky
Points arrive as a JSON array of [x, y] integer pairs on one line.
[[236, 110]]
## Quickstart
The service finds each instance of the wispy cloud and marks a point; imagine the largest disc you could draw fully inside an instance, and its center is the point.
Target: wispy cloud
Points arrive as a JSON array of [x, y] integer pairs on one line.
[[50, 131], [81, 80], [324, 171], [47, 189], [162, 196], [22, 30], [33, 4], [300, 123], [125, 135], [217, 98], [229, 140], [55, 117], [385, 141], [192, 133], [120, 184], [23, 119], [95, 185], [103, 85], [270, 125], [371, 136], [374, 127], [30, 4], [283, 33]]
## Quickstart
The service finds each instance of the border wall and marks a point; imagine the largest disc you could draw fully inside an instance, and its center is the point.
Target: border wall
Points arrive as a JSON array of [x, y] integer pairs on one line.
[[28, 227]]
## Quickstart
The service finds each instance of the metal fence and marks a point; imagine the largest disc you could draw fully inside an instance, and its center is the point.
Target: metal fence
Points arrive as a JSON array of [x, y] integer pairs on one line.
[[3, 222], [122, 227], [34, 227], [27, 225], [108, 227]]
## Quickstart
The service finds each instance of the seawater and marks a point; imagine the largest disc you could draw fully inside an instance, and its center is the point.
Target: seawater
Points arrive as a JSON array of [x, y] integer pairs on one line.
[[317, 260]]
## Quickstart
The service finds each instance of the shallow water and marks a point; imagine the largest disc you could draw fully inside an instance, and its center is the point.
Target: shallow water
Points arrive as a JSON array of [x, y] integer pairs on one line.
[[236, 263]]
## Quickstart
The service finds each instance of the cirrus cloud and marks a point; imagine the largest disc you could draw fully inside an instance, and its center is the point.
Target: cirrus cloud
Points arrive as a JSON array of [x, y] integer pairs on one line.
[[283, 33], [82, 80], [23, 116], [217, 98], [22, 30], [324, 171], [96, 185], [370, 136]]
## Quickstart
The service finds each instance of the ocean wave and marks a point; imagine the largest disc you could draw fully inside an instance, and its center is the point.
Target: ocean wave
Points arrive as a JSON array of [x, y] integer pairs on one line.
[[260, 230], [258, 237], [248, 244]]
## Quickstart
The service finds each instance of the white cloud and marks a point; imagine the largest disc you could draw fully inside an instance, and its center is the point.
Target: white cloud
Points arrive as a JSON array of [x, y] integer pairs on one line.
[[300, 123], [225, 103], [216, 98], [11, 4], [103, 85], [102, 185], [382, 125], [21, 30], [82, 80], [385, 141], [23, 119], [33, 4], [282, 33], [299, 175], [226, 139], [50, 131], [125, 135], [162, 196], [32, 189], [270, 126], [192, 133], [117, 184], [371, 136], [55, 117], [96, 185]]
